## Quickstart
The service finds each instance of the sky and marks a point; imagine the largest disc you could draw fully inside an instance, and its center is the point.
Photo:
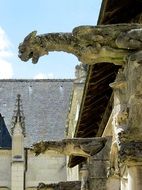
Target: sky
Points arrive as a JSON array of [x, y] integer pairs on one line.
[[19, 18]]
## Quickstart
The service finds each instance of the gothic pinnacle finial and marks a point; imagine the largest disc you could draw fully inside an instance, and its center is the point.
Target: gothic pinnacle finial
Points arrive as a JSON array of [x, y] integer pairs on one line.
[[18, 116]]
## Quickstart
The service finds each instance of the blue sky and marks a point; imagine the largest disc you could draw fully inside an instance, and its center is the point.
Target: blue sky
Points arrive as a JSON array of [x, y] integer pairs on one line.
[[19, 18]]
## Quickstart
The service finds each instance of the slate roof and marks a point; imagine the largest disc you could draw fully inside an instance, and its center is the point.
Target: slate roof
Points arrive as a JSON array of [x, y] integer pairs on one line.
[[45, 106], [5, 138]]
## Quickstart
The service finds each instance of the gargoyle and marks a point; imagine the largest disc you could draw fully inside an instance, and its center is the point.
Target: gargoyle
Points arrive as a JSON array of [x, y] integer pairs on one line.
[[84, 147], [91, 44], [68, 185]]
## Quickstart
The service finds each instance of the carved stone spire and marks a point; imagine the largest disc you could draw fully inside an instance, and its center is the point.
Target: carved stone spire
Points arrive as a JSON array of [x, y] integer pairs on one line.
[[18, 116]]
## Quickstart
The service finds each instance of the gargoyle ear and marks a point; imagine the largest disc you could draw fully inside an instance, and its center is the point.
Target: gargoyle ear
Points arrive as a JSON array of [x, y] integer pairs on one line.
[[31, 35]]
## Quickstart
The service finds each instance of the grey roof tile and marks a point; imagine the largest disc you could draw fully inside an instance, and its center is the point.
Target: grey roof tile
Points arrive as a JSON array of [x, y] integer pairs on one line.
[[45, 106]]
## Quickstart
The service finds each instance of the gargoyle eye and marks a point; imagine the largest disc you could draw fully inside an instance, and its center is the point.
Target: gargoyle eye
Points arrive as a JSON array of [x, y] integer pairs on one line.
[[21, 50]]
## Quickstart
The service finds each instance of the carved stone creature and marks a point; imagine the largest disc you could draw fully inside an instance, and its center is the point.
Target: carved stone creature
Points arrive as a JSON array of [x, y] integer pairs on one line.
[[78, 146], [91, 44], [68, 185]]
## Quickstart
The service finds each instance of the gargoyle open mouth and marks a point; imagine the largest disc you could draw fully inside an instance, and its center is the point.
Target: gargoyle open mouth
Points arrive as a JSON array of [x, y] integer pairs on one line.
[[25, 57], [35, 57], [31, 55]]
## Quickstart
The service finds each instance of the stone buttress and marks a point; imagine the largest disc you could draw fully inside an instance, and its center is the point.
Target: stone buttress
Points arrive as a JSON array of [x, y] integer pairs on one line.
[[18, 156]]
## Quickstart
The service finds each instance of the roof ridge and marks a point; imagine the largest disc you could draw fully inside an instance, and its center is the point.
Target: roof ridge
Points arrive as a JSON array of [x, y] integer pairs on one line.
[[37, 80]]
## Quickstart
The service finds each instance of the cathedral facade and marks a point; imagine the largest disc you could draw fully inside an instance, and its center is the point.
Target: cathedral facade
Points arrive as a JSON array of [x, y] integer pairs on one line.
[[32, 110]]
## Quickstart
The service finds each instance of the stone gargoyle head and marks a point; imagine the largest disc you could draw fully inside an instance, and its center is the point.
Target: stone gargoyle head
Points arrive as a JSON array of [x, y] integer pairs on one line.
[[29, 48]]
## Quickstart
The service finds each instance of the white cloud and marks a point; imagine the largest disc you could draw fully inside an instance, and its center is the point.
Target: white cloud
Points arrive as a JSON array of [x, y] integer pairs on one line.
[[50, 76], [6, 70], [4, 42], [5, 54], [44, 76]]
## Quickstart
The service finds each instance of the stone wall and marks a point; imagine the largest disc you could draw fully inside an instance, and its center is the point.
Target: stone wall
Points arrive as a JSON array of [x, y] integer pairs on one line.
[[5, 169], [76, 99], [46, 168], [72, 173], [73, 115], [74, 108], [98, 168]]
